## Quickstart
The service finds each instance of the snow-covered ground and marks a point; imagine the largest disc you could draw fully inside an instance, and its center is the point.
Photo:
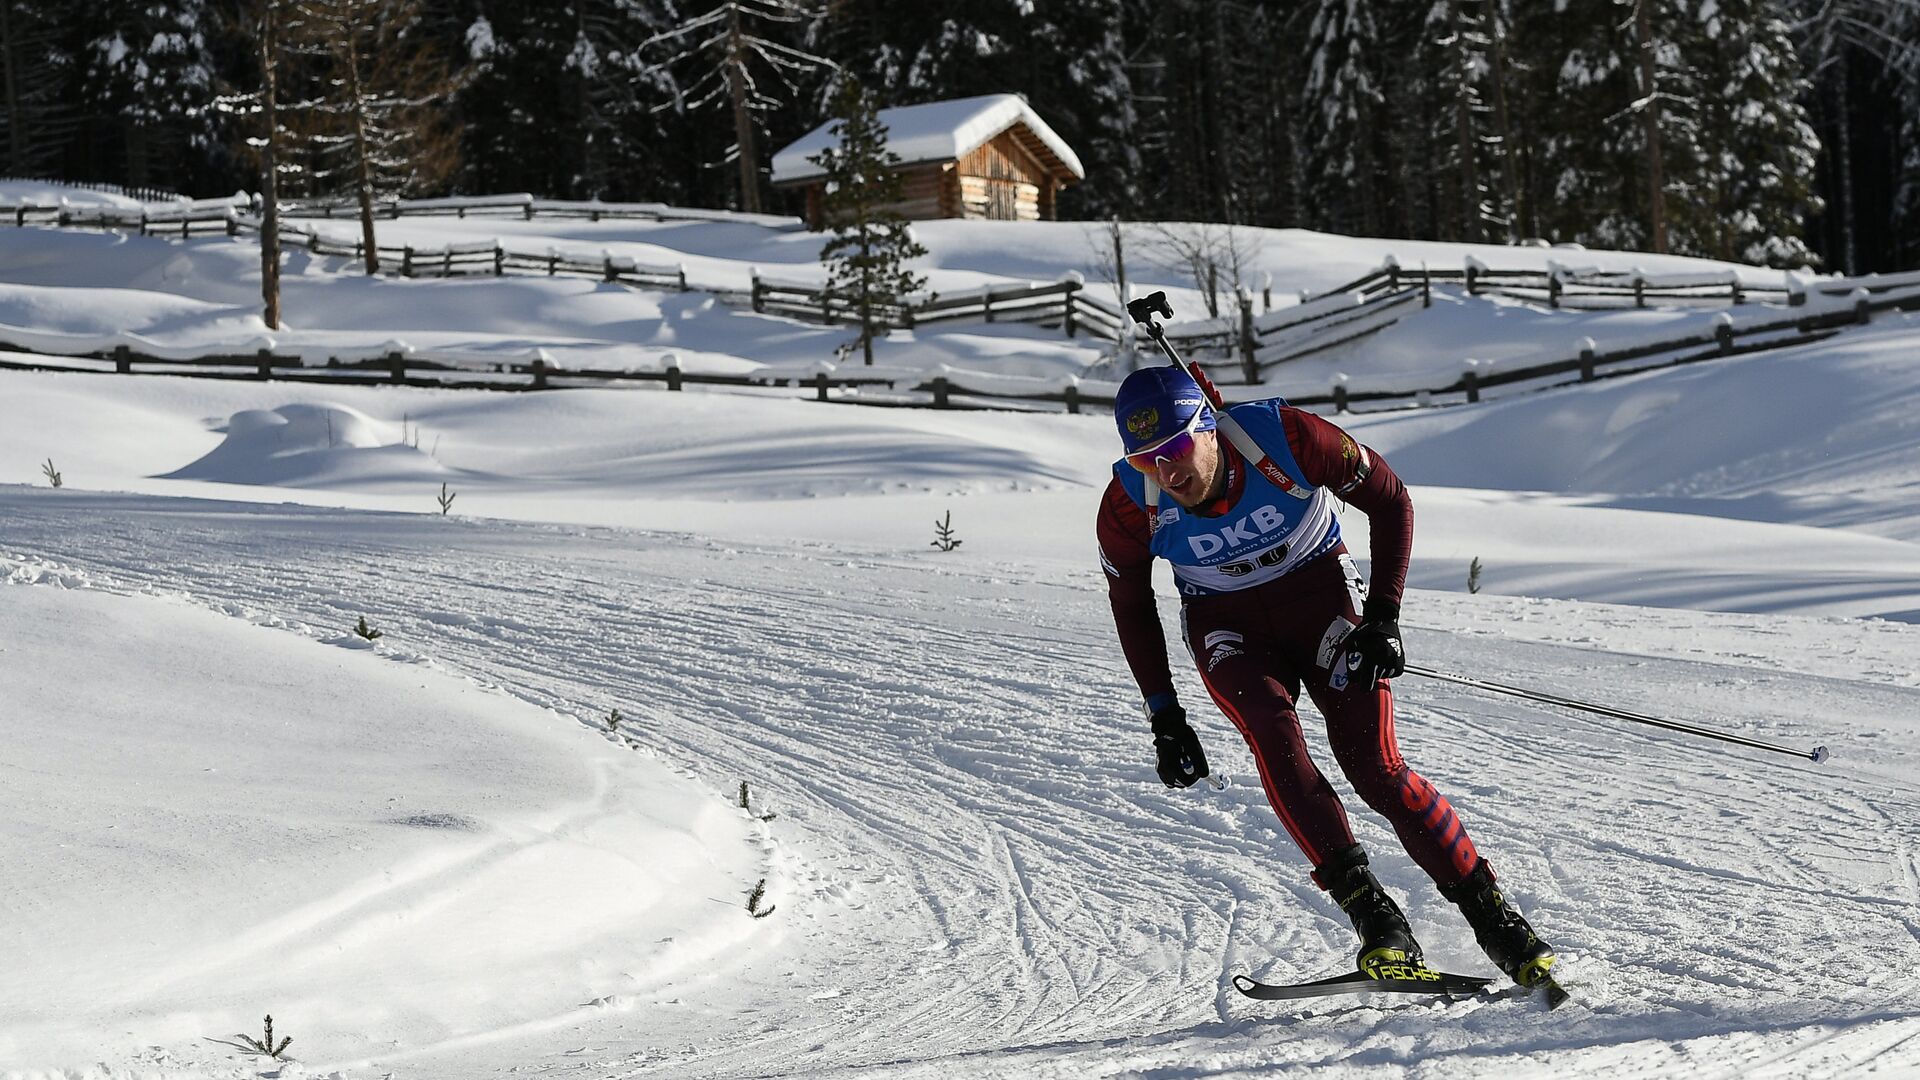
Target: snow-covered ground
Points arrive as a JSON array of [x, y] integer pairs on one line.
[[429, 857]]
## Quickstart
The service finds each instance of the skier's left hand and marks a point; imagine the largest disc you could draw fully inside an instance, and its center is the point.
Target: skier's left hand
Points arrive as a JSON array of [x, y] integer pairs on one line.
[[1374, 651]]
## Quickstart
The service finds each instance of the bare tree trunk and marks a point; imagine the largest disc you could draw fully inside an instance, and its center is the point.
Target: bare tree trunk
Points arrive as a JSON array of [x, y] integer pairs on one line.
[[16, 123], [743, 118], [356, 102], [269, 164], [1650, 120], [1843, 163], [1497, 36], [1463, 128]]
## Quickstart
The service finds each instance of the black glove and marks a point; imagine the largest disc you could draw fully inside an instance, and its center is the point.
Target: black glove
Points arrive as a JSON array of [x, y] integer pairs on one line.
[[1373, 648], [1182, 762]]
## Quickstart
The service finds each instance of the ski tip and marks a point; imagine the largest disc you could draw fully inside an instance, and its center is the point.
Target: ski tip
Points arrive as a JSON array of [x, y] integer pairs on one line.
[[1556, 995], [1244, 984]]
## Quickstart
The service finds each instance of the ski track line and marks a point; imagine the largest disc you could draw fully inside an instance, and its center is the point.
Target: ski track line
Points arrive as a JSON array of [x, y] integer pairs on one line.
[[971, 763]]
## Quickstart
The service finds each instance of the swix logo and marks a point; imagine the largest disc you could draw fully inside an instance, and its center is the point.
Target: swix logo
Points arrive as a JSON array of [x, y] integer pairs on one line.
[[1275, 474], [1220, 644], [1245, 531]]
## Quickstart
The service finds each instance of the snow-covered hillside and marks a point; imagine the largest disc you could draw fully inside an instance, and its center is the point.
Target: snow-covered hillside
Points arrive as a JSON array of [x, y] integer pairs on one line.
[[429, 856]]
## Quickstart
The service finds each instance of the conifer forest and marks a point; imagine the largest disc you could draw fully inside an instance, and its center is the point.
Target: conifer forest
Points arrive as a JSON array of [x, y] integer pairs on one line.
[[1784, 132]]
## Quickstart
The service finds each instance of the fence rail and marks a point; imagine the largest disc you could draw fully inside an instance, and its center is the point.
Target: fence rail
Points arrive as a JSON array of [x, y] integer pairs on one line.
[[396, 365], [1585, 363]]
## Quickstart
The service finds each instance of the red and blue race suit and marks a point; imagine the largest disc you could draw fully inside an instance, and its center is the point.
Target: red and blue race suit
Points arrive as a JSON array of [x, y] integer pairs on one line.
[[1267, 593]]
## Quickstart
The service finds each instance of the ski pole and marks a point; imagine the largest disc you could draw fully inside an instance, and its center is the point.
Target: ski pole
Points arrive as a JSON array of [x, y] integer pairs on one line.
[[1143, 309], [1817, 754]]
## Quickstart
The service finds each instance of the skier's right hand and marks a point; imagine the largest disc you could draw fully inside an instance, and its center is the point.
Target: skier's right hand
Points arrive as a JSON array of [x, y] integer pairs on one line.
[[1182, 762]]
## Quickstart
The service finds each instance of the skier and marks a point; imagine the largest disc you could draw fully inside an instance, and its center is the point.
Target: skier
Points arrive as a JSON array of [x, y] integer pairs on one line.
[[1272, 602]]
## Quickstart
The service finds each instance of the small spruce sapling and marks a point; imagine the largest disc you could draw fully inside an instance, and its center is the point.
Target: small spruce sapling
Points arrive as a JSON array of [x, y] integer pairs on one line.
[[758, 894], [943, 537], [613, 721], [446, 498], [53, 474], [266, 1045], [368, 632], [1473, 575]]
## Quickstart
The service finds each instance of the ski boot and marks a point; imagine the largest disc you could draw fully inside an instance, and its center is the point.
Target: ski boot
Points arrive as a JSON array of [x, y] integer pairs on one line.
[[1387, 947], [1502, 931]]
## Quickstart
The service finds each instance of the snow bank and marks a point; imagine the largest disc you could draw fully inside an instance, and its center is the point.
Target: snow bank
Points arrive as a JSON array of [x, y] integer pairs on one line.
[[241, 820]]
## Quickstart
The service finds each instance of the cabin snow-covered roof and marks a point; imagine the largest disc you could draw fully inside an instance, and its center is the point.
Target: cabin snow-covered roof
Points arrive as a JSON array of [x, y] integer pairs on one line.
[[939, 131]]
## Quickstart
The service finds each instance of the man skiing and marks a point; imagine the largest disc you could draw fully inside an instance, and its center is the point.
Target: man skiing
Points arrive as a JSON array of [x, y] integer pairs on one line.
[[1270, 603]]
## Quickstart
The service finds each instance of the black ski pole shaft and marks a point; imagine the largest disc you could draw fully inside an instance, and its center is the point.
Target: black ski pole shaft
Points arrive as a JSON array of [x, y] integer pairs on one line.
[[1817, 754]]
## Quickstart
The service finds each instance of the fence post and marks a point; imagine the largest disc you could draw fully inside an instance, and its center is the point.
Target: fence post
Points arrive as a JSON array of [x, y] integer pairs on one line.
[[673, 377], [1723, 333], [1340, 393], [499, 260], [820, 385], [553, 262], [986, 304], [606, 268], [397, 366], [1586, 359], [1071, 395], [1249, 363], [265, 358], [1739, 297], [940, 392], [1066, 319], [1266, 292], [759, 303], [1796, 295], [539, 373], [1426, 285], [1471, 289], [446, 262], [406, 261], [683, 277], [1553, 288], [233, 226], [526, 212], [122, 360], [1471, 380], [184, 223]]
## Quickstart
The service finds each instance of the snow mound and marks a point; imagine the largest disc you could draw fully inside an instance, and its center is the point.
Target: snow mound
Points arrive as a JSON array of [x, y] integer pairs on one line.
[[310, 444]]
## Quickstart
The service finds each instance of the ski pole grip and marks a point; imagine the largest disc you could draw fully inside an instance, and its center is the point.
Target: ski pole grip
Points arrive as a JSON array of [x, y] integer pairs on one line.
[[1143, 308]]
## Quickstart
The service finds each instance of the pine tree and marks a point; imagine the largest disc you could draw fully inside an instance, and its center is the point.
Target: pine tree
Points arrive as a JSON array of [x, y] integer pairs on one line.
[[379, 125], [871, 242], [742, 55], [1757, 153], [150, 65], [1345, 106], [35, 64]]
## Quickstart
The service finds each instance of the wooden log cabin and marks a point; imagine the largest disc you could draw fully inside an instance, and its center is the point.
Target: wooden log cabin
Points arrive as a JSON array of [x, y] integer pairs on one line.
[[988, 157]]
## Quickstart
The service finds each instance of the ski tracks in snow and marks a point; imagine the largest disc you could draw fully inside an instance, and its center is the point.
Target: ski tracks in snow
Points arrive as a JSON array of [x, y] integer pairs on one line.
[[978, 874]]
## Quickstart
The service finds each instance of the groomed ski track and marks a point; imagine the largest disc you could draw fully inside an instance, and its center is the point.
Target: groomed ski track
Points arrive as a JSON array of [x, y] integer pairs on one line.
[[977, 874]]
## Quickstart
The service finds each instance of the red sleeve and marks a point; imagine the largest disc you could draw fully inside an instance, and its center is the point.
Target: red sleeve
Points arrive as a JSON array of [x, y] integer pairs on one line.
[[1128, 562], [1330, 458]]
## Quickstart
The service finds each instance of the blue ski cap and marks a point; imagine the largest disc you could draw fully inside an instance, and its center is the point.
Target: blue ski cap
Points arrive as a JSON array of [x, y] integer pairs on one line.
[[1154, 404]]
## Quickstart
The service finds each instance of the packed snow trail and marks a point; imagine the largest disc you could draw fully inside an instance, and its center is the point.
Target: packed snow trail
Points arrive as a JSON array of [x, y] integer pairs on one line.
[[981, 876]]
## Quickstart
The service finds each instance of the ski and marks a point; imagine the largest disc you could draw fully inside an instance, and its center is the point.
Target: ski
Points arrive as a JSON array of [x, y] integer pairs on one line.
[[1551, 989], [1411, 980]]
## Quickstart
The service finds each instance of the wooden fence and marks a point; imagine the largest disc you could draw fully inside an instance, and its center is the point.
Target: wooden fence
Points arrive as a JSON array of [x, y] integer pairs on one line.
[[1585, 363], [404, 367]]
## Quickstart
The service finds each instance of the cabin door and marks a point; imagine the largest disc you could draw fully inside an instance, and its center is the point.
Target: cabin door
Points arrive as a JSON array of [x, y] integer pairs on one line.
[[1003, 200]]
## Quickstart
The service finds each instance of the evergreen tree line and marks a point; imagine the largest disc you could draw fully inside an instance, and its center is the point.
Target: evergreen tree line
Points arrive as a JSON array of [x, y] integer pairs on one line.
[[1780, 131]]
